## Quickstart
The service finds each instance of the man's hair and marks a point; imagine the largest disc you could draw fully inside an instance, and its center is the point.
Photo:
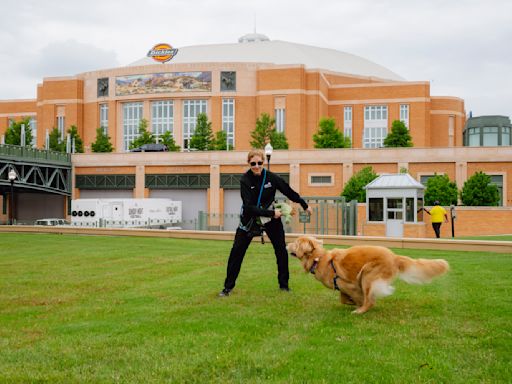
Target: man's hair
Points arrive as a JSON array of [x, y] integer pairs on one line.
[[255, 152]]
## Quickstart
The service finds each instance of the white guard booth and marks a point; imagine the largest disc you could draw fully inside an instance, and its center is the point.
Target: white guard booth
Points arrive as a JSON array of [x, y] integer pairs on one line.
[[394, 199]]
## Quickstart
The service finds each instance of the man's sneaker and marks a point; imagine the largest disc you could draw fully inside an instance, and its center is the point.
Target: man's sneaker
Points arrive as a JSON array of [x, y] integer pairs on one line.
[[224, 292], [284, 289]]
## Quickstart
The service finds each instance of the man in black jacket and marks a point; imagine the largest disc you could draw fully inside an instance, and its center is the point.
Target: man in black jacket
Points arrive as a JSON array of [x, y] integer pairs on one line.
[[260, 185]]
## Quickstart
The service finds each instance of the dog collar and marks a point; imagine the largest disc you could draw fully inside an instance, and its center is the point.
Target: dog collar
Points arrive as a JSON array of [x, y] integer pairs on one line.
[[313, 267]]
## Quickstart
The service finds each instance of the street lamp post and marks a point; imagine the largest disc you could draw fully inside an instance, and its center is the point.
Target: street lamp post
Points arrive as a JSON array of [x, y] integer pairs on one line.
[[12, 177], [268, 153]]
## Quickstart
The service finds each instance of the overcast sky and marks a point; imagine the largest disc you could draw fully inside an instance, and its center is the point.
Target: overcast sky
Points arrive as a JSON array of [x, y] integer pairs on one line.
[[462, 47]]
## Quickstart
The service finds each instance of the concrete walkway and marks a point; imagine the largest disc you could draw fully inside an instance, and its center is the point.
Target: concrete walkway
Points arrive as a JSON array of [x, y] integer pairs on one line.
[[410, 243]]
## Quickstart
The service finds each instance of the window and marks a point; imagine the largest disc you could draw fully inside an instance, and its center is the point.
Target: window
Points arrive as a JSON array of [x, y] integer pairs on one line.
[[395, 209], [497, 180], [61, 126], [419, 210], [228, 121], [321, 180], [374, 137], [104, 118], [424, 179], [191, 108], [409, 209], [33, 128], [490, 136], [505, 136], [347, 122], [132, 114], [280, 119], [375, 125], [376, 112], [474, 137], [404, 114], [375, 209], [162, 117]]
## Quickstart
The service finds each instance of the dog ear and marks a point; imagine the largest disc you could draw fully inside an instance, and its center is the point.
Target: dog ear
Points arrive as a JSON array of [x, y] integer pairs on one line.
[[316, 243], [307, 245]]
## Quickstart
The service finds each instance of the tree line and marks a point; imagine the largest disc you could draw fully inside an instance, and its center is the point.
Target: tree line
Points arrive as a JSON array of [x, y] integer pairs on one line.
[[203, 138], [477, 191]]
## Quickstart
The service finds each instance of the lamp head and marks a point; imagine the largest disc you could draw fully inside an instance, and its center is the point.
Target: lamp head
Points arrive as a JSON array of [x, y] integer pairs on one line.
[[12, 175], [268, 150]]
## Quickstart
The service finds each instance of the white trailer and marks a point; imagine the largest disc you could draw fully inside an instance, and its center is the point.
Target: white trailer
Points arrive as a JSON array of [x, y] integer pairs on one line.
[[120, 213]]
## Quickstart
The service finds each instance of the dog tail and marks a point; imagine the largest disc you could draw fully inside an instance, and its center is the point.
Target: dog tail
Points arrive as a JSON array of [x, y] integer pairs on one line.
[[420, 271]]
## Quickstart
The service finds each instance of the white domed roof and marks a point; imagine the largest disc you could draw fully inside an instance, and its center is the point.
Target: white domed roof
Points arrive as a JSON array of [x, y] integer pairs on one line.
[[253, 37], [262, 50]]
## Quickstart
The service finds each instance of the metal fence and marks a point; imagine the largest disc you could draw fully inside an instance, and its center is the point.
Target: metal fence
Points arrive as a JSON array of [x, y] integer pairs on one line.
[[17, 151], [331, 216]]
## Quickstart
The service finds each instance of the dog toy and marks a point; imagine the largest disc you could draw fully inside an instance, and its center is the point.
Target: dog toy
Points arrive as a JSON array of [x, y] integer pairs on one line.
[[286, 211]]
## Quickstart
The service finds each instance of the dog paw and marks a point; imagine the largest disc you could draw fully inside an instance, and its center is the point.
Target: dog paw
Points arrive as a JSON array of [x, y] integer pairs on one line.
[[359, 311]]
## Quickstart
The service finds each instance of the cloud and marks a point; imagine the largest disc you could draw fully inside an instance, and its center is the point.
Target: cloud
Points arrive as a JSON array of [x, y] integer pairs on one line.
[[66, 58], [461, 47]]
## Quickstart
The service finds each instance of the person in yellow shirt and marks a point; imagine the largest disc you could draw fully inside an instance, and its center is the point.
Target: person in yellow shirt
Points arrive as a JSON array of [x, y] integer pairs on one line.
[[438, 215]]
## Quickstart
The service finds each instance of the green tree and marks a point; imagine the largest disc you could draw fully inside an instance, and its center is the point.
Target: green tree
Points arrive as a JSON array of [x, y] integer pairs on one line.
[[79, 144], [56, 144], [145, 137], [354, 189], [168, 140], [202, 139], [399, 136], [13, 133], [102, 143], [265, 132], [440, 188], [278, 140], [478, 191], [221, 141], [262, 132], [329, 136]]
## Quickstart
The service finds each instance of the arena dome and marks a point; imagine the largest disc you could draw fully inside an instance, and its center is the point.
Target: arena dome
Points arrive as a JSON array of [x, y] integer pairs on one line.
[[257, 48]]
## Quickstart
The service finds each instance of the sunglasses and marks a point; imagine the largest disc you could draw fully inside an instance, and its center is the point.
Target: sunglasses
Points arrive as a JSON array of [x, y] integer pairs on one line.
[[253, 163]]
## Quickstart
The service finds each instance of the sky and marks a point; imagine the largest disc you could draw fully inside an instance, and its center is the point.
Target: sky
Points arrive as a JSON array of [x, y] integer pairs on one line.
[[463, 48]]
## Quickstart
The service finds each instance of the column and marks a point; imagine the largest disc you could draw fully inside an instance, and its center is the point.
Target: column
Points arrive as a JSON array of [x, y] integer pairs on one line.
[[295, 177], [214, 200], [140, 182], [348, 171]]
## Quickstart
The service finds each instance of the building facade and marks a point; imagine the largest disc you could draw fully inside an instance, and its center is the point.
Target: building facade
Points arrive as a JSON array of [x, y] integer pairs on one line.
[[234, 84]]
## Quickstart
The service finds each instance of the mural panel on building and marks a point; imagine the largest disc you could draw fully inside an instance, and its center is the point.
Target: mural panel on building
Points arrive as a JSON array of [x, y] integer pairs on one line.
[[164, 83]]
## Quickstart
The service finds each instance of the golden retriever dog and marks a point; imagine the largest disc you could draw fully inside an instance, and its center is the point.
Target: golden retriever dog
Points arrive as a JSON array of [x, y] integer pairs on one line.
[[364, 272]]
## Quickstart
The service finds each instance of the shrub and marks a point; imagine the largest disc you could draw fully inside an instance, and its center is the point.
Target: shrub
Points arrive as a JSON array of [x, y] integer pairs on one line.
[[478, 191]]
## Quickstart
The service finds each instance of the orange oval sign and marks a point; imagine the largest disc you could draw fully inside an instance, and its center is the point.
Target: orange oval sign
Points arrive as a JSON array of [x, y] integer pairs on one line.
[[162, 52]]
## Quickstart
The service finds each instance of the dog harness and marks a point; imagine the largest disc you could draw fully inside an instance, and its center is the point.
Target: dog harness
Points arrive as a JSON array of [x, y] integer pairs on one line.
[[312, 270], [336, 277]]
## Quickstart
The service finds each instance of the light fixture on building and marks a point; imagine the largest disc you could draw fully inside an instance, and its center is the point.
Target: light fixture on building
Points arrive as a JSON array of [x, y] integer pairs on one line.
[[268, 153]]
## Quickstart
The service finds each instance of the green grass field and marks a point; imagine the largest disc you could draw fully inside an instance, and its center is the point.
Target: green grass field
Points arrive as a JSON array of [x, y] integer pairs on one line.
[[85, 309]]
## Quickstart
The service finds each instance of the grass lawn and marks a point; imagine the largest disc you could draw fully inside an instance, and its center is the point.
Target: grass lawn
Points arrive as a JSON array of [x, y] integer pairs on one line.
[[86, 309]]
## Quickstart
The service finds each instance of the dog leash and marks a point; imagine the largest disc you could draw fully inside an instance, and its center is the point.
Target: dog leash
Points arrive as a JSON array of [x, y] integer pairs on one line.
[[259, 199]]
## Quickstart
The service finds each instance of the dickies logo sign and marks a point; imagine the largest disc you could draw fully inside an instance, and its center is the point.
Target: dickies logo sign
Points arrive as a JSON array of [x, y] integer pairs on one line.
[[162, 52]]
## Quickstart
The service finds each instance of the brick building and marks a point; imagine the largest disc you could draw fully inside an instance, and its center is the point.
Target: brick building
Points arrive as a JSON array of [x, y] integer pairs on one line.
[[233, 84]]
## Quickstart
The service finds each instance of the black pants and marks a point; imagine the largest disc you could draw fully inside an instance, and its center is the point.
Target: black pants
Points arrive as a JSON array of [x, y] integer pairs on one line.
[[437, 229], [275, 232]]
